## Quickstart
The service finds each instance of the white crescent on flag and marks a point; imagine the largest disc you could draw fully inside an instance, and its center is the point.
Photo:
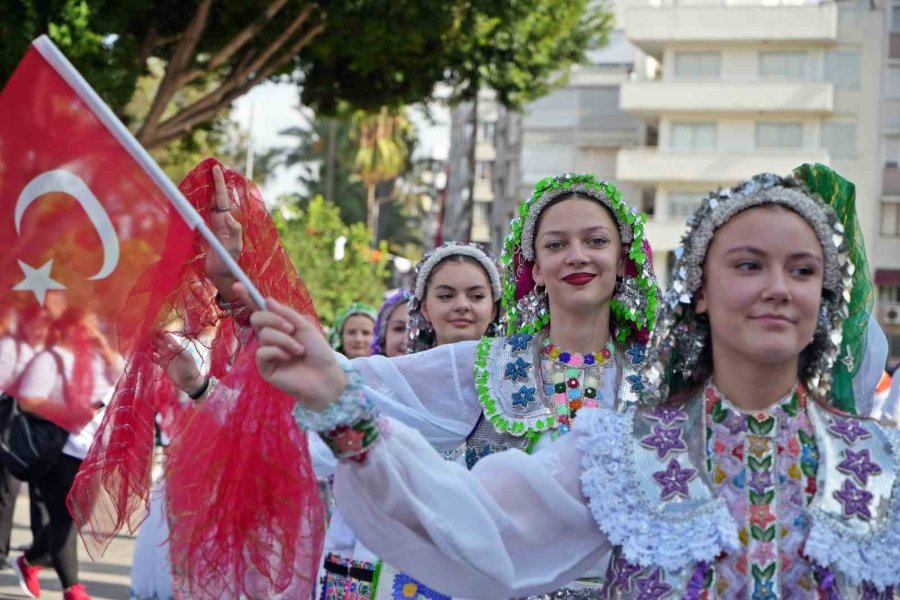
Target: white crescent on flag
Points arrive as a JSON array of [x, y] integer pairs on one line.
[[66, 182]]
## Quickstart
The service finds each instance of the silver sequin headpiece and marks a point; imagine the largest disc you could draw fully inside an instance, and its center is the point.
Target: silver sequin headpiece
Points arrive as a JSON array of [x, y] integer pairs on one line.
[[681, 335]]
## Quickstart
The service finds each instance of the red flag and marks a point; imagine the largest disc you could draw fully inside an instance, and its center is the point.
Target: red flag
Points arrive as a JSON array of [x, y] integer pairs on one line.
[[82, 222]]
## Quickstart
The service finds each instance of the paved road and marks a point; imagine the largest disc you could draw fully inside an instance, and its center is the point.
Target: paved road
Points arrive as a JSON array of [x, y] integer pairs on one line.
[[106, 579]]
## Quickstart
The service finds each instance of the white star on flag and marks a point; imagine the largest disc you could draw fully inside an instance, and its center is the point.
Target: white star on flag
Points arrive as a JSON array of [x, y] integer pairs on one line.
[[38, 281]]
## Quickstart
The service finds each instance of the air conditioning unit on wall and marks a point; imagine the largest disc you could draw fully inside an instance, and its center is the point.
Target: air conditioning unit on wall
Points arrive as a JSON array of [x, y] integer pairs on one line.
[[889, 314]]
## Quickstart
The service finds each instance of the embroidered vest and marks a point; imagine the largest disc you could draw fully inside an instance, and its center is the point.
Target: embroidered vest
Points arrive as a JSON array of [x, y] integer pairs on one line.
[[649, 488], [514, 411]]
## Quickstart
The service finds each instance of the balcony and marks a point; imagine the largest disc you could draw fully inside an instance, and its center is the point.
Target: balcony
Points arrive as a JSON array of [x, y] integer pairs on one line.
[[651, 28], [648, 98], [652, 165]]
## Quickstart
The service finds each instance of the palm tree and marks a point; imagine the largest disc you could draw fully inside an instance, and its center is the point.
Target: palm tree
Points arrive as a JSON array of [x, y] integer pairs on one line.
[[381, 154]]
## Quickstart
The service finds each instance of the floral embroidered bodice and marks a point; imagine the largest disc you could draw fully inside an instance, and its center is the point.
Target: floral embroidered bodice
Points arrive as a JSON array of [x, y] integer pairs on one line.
[[790, 502]]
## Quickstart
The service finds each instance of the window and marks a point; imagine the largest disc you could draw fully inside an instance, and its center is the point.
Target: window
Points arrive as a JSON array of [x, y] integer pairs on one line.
[[598, 108], [683, 204], [895, 18], [892, 85], [782, 65], [693, 136], [842, 68], [559, 109], [839, 138], [697, 64], [486, 131], [779, 135], [546, 160], [484, 169]]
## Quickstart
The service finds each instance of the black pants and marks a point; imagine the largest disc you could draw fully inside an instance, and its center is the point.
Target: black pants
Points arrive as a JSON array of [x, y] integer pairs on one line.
[[9, 491], [57, 541]]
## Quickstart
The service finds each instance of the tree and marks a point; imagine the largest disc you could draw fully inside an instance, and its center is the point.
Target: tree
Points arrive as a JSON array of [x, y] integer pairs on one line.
[[367, 53], [311, 236], [381, 154]]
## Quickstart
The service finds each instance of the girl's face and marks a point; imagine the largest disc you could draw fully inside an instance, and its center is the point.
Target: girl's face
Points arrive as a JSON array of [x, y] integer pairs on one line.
[[395, 334], [762, 287], [578, 254], [458, 301], [357, 336]]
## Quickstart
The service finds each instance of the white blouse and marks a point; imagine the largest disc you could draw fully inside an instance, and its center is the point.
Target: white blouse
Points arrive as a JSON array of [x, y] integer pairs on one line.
[[515, 525]]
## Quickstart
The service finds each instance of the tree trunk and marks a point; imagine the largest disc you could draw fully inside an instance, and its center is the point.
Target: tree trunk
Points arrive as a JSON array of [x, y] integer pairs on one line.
[[331, 160], [372, 213], [469, 212]]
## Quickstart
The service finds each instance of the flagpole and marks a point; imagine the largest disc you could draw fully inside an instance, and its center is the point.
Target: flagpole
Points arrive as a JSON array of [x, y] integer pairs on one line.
[[70, 74]]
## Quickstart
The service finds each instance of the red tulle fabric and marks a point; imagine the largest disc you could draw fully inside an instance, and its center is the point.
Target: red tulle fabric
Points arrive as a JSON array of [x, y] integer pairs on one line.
[[243, 506]]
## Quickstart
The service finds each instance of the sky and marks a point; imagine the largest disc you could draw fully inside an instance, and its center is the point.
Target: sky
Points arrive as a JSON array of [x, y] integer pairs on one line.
[[273, 107]]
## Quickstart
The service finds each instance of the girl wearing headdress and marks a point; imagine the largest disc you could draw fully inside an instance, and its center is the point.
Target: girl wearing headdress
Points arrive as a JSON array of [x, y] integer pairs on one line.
[[743, 473], [351, 334], [455, 297], [389, 336], [579, 298]]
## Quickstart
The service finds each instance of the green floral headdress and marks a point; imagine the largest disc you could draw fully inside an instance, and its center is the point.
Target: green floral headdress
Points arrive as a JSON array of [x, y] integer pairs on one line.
[[633, 305]]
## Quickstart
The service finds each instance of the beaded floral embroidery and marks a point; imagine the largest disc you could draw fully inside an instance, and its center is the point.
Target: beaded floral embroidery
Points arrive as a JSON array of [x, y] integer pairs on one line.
[[574, 380], [748, 453]]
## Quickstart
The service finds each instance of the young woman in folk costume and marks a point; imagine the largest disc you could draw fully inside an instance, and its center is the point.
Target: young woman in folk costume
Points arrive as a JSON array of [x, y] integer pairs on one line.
[[351, 334], [745, 476], [576, 252], [237, 426], [455, 297]]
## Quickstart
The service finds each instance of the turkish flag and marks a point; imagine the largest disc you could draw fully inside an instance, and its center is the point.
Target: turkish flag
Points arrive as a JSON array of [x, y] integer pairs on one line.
[[82, 223]]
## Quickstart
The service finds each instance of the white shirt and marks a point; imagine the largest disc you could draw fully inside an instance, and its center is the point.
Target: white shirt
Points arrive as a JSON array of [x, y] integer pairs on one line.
[[14, 357], [42, 380]]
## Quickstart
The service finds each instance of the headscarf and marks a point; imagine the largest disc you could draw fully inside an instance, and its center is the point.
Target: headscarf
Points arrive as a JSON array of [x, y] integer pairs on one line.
[[336, 336], [379, 335], [827, 202], [419, 331], [633, 305], [238, 456]]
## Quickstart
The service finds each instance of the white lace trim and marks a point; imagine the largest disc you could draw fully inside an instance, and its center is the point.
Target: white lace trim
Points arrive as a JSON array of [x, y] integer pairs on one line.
[[874, 558], [647, 535]]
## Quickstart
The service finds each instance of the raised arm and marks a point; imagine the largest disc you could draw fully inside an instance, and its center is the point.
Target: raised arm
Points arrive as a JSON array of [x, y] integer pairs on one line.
[[514, 526]]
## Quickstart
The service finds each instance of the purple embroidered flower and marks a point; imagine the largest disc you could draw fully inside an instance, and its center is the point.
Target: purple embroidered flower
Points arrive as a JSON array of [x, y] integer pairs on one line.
[[407, 587], [735, 423], [664, 440], [667, 415], [859, 464], [636, 353], [855, 501], [760, 481], [849, 429], [652, 587], [620, 574], [674, 480]]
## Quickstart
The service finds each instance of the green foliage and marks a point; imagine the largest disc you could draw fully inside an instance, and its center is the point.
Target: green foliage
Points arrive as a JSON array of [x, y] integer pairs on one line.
[[393, 53], [310, 235]]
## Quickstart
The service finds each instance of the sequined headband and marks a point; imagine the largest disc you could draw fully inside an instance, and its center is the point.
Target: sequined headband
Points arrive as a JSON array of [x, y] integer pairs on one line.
[[434, 258]]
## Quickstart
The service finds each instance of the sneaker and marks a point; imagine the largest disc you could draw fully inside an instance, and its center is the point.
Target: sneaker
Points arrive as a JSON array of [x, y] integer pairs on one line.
[[76, 592], [28, 577]]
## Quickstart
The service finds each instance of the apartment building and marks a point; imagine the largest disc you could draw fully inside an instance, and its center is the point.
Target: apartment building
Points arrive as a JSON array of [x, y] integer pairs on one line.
[[730, 88]]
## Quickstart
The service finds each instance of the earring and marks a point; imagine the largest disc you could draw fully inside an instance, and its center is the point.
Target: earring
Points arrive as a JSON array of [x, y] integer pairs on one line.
[[532, 306]]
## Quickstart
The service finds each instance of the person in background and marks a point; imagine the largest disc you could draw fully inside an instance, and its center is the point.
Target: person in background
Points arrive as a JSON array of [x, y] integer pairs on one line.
[[351, 334]]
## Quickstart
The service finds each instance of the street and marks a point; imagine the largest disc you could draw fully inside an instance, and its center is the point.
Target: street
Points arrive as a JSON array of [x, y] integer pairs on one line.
[[106, 579]]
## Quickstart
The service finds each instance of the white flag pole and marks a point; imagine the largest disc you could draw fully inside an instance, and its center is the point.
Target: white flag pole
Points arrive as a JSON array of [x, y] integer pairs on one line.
[[71, 75]]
